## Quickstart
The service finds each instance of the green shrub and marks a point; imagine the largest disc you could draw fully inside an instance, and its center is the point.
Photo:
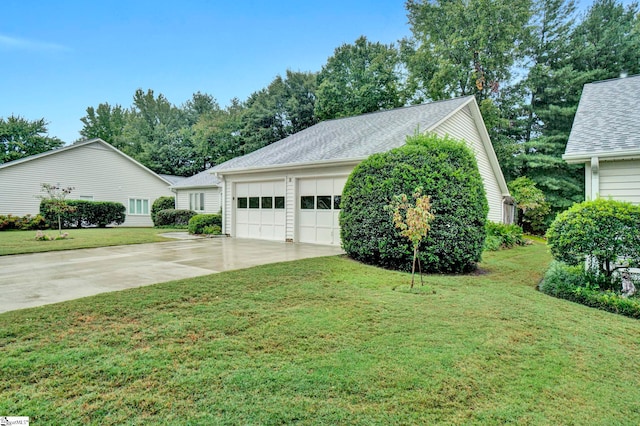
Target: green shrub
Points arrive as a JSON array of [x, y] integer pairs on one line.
[[86, 213], [603, 231], [25, 223], [162, 203], [198, 222], [174, 218], [212, 230], [576, 284], [447, 172], [561, 280], [500, 236]]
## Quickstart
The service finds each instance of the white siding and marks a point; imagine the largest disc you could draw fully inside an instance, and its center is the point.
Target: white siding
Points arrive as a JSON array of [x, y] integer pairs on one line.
[[462, 126], [92, 169], [211, 198], [620, 180]]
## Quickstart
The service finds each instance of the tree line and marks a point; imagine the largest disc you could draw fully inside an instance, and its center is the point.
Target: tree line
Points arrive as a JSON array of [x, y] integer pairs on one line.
[[525, 61]]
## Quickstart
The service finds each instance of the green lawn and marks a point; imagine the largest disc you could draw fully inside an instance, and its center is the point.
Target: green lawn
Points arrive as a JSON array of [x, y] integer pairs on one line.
[[325, 341], [17, 242]]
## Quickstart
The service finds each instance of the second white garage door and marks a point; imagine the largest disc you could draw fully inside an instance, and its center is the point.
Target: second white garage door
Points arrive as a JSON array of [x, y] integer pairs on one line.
[[260, 210], [318, 210]]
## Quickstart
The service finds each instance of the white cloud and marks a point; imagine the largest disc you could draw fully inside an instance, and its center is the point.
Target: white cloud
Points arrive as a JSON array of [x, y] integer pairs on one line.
[[15, 43]]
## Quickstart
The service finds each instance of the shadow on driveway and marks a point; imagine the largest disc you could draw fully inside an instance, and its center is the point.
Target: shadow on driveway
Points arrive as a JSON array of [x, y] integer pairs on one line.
[[28, 280]]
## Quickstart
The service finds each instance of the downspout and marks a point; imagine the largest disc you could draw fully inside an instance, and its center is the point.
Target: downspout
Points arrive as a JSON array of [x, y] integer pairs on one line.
[[595, 178]]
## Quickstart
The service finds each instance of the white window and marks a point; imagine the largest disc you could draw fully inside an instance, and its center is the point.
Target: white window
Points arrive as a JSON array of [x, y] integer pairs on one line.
[[139, 206], [196, 201]]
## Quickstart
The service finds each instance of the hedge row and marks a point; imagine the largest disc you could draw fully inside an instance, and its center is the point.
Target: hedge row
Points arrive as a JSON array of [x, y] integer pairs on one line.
[[206, 224], [574, 284], [86, 213], [174, 218], [24, 223]]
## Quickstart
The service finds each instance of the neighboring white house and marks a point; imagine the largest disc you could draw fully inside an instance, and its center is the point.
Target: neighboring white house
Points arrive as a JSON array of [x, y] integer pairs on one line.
[[290, 190], [96, 170], [201, 193], [605, 137]]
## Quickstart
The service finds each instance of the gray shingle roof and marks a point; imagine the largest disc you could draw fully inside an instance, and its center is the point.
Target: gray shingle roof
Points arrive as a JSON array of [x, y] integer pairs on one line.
[[198, 180], [173, 179], [607, 120], [348, 138]]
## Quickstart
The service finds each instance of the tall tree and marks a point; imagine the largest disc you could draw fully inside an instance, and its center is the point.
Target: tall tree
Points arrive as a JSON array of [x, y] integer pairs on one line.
[[217, 134], [21, 138], [285, 107], [359, 78], [603, 45], [462, 47], [107, 123]]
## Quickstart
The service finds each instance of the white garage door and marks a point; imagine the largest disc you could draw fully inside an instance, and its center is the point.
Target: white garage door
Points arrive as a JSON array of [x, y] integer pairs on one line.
[[318, 210], [260, 210]]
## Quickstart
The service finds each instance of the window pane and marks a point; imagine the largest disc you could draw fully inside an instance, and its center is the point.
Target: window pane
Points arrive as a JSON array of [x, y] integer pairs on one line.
[[145, 206], [307, 202], [201, 206], [191, 206], [267, 202], [132, 206], [242, 203], [254, 202], [279, 202], [138, 206], [324, 202], [336, 202]]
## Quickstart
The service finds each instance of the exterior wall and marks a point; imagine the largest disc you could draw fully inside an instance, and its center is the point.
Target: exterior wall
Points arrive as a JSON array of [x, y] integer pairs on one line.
[[463, 126], [620, 180], [93, 170], [212, 198]]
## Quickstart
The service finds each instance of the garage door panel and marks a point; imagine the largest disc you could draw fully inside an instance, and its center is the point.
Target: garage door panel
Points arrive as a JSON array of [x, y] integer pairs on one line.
[[259, 218], [319, 221]]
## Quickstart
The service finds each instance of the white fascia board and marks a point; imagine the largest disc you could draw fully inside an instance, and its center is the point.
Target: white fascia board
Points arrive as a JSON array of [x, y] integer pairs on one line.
[[605, 156], [291, 166]]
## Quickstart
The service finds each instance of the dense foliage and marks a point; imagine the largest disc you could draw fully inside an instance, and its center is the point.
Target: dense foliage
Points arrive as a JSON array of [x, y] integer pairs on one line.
[[162, 203], [447, 172], [85, 213], [205, 224], [21, 138], [500, 235], [24, 223], [603, 231], [174, 218], [577, 284]]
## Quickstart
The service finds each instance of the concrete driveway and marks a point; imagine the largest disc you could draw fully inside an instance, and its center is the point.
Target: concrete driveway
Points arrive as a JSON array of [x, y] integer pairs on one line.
[[28, 280]]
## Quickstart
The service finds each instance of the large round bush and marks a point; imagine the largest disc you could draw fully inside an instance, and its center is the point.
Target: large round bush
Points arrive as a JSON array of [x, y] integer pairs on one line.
[[447, 172], [606, 231]]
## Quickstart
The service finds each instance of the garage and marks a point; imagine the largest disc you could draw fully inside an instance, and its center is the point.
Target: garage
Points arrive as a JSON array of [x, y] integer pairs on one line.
[[318, 210], [260, 210]]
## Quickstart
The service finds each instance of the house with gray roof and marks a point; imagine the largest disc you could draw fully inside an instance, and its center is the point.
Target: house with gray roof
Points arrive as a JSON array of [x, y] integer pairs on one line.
[[290, 190], [605, 137], [201, 193], [95, 169]]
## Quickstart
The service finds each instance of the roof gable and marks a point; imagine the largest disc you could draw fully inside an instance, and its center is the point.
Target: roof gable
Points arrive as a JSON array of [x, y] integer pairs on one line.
[[77, 145], [607, 120], [348, 138]]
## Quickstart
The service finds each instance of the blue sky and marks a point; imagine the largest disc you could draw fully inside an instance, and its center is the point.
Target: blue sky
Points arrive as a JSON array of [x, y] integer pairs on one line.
[[61, 57]]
